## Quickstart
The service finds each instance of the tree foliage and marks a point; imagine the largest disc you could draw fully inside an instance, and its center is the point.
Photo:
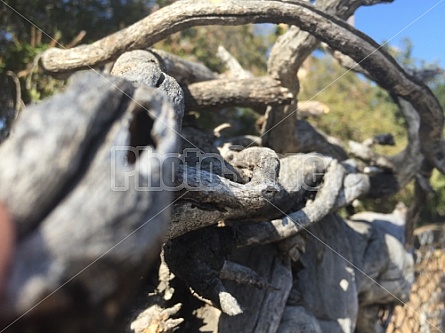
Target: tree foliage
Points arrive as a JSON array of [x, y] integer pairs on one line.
[[67, 18], [352, 98], [30, 27]]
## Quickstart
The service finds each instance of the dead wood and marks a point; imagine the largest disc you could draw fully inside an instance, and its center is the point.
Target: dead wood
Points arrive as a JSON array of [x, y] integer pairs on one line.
[[314, 109], [184, 71], [70, 217], [232, 65], [346, 263], [107, 128], [250, 92], [337, 34], [140, 69], [263, 307]]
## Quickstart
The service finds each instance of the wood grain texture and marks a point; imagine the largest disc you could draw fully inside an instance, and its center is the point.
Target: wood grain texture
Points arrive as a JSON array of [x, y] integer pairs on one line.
[[250, 92], [263, 308], [97, 230], [34, 179]]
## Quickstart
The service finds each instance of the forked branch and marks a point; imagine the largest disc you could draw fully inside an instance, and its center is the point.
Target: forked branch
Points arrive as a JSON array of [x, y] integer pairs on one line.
[[334, 32]]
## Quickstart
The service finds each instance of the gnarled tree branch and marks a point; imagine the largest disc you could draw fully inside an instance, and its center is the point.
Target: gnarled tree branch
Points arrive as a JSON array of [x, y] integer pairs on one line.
[[252, 92], [326, 28]]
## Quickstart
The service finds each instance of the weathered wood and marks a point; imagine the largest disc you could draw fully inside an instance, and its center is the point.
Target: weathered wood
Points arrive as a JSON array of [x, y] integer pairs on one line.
[[66, 233], [286, 57], [293, 47], [422, 189], [139, 67], [312, 140], [334, 301], [156, 319], [348, 62], [234, 68], [406, 164], [386, 270], [198, 256], [263, 308], [361, 266], [298, 318], [184, 71], [212, 198], [365, 153], [240, 274], [92, 233], [40, 178], [250, 92], [337, 34], [385, 261], [308, 109], [335, 193]]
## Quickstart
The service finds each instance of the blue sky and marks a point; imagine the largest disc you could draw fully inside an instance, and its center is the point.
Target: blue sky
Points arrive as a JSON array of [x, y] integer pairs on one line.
[[386, 21]]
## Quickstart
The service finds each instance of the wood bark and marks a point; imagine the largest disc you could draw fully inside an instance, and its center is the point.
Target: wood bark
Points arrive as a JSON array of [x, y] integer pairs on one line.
[[184, 71], [232, 65], [213, 198], [252, 92], [337, 34], [263, 308], [61, 234], [70, 221]]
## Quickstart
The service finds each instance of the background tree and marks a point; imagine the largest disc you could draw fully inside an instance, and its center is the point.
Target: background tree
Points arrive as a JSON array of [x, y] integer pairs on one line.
[[64, 23]]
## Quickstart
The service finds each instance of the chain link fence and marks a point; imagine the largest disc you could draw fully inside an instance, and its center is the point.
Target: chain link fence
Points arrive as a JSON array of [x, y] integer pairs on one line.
[[425, 311]]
